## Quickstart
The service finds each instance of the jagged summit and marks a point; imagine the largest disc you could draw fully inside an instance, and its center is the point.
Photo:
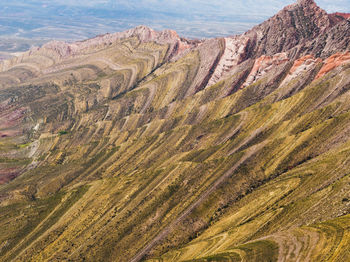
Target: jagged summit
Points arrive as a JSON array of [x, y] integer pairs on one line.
[[293, 25], [306, 2], [300, 29]]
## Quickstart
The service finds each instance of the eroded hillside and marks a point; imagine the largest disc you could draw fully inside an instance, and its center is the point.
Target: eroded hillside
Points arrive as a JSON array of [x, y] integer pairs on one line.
[[145, 145]]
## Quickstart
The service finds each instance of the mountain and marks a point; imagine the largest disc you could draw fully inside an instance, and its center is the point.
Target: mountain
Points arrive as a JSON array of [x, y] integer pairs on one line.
[[34, 22], [146, 145]]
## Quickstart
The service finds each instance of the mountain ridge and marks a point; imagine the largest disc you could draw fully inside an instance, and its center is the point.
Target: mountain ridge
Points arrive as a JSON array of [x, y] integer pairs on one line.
[[143, 144], [235, 47]]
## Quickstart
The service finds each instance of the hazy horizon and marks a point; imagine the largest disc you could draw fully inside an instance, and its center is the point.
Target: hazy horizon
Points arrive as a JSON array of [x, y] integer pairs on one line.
[[33, 22]]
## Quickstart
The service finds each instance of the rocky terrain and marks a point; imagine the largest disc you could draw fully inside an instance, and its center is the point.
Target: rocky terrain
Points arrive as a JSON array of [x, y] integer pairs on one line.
[[143, 145]]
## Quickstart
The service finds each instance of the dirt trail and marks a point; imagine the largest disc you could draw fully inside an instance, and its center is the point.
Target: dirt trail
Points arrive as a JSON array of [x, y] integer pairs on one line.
[[189, 209]]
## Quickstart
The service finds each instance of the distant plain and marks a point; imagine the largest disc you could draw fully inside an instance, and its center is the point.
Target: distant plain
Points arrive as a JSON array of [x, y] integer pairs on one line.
[[24, 24]]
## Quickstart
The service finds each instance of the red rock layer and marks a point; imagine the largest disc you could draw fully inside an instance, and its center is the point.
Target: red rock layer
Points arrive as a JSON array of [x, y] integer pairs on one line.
[[333, 62], [305, 60], [345, 15], [263, 65]]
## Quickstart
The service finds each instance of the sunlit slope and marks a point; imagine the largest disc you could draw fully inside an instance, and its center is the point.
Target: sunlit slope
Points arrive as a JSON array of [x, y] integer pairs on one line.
[[327, 241], [117, 148]]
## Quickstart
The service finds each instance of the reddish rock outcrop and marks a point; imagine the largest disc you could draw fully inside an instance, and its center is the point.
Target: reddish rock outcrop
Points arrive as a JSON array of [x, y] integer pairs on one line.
[[303, 61], [344, 15], [333, 62], [300, 74], [336, 18], [298, 30], [264, 65]]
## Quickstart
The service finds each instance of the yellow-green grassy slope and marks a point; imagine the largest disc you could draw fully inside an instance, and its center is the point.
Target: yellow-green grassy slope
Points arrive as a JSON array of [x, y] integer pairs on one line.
[[122, 154]]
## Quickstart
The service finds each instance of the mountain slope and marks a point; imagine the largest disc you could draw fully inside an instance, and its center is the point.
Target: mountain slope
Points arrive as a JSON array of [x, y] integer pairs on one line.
[[144, 143]]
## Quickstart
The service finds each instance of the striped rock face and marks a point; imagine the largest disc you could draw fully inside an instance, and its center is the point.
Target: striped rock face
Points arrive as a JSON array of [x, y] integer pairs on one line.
[[145, 145]]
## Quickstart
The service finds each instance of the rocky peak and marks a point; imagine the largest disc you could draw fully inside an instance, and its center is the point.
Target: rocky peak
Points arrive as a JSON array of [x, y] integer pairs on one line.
[[298, 29], [311, 9], [63, 49], [144, 33], [147, 34], [293, 25], [306, 2]]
